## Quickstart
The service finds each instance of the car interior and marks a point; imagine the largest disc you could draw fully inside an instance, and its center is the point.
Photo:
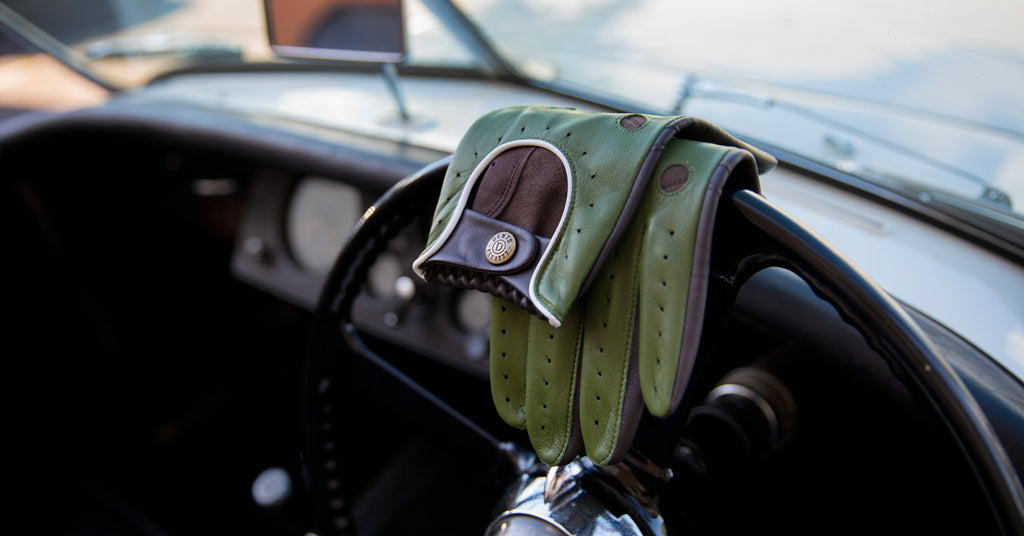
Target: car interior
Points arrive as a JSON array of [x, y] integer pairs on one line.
[[161, 319], [182, 321]]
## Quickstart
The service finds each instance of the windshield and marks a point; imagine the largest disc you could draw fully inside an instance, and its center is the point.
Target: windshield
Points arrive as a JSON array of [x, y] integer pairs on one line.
[[920, 96]]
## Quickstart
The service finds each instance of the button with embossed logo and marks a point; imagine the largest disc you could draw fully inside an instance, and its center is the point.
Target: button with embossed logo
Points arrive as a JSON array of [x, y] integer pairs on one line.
[[500, 248]]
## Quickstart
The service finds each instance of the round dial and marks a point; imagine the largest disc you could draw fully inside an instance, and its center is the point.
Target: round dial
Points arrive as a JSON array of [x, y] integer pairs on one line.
[[321, 215]]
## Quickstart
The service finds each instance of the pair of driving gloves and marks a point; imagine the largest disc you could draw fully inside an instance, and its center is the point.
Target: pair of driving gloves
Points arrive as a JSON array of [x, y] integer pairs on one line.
[[592, 231]]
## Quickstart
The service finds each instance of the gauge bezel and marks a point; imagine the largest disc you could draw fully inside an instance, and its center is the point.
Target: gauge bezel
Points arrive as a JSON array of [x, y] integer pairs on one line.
[[304, 201]]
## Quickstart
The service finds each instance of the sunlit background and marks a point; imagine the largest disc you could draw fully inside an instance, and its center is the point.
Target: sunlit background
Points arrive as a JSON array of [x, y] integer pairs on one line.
[[951, 70]]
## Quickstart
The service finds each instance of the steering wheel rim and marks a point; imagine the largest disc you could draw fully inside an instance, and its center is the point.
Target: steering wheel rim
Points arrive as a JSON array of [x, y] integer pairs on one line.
[[770, 238]]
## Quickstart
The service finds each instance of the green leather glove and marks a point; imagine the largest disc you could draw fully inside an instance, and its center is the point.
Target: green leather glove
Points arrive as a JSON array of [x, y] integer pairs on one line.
[[599, 272]]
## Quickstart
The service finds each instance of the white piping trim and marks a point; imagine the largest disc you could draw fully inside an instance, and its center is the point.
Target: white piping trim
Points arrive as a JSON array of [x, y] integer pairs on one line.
[[464, 199]]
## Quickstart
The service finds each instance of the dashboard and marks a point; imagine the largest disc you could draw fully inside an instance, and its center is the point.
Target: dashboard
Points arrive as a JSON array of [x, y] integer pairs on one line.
[[293, 229], [178, 248], [906, 256]]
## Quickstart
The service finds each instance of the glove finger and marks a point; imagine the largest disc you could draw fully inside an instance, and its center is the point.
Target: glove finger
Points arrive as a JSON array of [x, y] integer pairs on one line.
[[551, 384], [669, 286], [509, 330], [610, 400]]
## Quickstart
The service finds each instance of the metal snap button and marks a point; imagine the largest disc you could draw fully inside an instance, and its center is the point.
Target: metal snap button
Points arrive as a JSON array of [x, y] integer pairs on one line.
[[632, 122], [500, 248]]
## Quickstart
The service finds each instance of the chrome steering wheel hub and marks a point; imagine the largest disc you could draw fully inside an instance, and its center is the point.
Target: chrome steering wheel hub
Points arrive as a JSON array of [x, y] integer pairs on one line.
[[563, 501]]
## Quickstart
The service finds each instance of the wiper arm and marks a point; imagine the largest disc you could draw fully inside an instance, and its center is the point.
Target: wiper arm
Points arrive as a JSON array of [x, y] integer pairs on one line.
[[992, 216], [163, 44], [992, 207], [995, 229], [694, 86]]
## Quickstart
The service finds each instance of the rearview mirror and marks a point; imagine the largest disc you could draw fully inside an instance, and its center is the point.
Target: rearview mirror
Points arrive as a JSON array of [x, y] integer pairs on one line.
[[359, 30]]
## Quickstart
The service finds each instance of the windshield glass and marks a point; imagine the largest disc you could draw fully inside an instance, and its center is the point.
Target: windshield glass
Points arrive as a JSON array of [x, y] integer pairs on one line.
[[920, 96]]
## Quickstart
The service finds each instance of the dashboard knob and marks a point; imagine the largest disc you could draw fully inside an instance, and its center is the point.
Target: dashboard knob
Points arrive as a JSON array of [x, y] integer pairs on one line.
[[405, 288], [272, 487]]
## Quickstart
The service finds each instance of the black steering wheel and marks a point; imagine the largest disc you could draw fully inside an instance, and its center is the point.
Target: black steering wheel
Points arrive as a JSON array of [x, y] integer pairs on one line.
[[750, 235]]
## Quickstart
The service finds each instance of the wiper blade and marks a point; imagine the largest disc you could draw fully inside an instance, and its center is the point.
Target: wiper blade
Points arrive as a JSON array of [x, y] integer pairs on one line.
[[701, 87], [994, 216], [997, 230], [991, 208], [163, 44]]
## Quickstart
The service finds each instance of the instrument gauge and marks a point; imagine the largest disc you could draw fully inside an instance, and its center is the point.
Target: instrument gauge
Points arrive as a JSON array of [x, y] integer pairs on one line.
[[321, 215]]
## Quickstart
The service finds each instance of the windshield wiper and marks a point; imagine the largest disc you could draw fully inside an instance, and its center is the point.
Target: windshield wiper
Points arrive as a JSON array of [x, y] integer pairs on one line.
[[997, 230], [694, 87], [987, 219], [993, 207], [164, 44]]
